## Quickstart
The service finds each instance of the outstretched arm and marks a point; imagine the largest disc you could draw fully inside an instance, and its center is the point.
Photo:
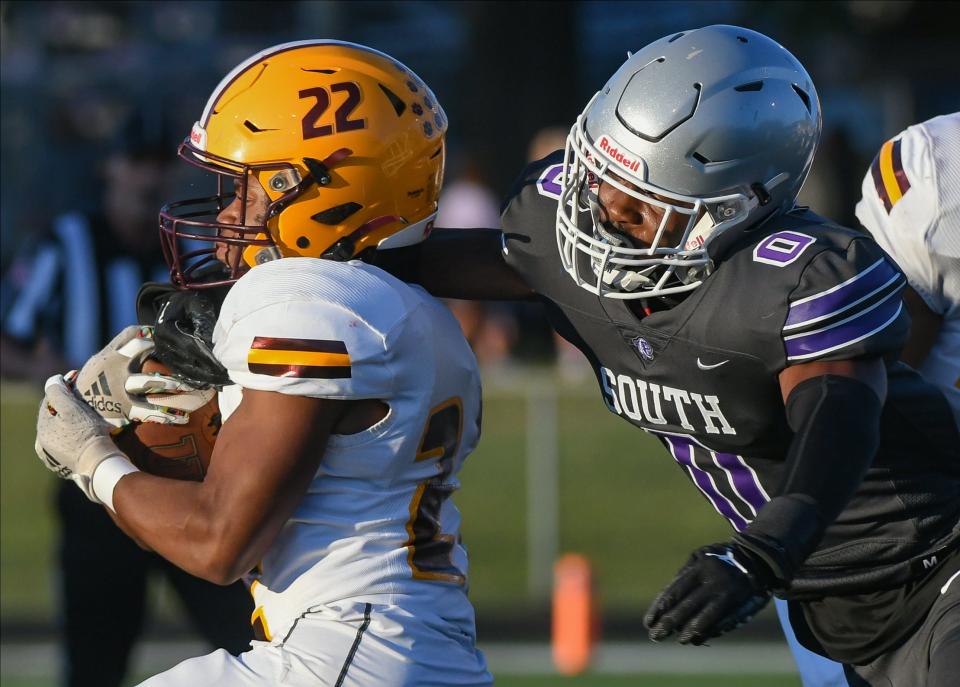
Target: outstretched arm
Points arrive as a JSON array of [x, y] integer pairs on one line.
[[457, 263]]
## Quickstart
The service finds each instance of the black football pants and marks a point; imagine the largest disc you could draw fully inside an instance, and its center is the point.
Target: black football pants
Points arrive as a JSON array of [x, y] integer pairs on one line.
[[929, 658]]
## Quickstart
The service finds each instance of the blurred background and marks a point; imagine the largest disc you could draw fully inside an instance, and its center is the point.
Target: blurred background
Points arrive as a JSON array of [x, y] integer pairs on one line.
[[554, 471]]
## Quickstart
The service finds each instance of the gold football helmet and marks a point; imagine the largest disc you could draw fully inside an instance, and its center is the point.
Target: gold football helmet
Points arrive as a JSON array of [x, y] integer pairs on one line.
[[347, 142]]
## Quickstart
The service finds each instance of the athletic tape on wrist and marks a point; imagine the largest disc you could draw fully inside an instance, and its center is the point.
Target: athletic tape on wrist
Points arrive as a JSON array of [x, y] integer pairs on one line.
[[106, 476]]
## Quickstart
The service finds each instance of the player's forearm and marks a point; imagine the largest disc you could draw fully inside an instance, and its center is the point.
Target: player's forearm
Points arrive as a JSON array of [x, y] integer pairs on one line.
[[180, 521], [220, 528], [836, 424], [457, 263]]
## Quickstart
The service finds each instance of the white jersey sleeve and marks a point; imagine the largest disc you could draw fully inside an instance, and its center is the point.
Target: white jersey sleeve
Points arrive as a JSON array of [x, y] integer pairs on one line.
[[310, 328], [911, 206]]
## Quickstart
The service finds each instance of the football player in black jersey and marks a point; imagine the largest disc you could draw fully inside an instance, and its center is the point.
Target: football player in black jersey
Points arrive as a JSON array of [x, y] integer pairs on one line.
[[756, 339]]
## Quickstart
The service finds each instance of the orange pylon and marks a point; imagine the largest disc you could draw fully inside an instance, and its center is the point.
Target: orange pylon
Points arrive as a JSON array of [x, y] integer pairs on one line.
[[574, 614]]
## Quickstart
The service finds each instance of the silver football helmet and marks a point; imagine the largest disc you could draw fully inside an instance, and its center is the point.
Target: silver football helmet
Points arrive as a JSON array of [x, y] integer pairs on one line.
[[718, 125]]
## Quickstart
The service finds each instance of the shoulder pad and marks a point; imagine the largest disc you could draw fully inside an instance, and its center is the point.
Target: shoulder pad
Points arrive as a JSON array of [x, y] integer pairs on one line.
[[312, 327]]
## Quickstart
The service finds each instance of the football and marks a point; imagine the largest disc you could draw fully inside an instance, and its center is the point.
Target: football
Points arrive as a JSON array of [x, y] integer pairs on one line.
[[173, 451]]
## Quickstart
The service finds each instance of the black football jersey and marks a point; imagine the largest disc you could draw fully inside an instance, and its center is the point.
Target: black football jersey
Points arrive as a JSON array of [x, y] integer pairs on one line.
[[703, 376]]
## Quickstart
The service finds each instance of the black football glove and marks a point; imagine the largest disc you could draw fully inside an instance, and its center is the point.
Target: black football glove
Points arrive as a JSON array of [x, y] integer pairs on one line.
[[183, 331], [721, 587]]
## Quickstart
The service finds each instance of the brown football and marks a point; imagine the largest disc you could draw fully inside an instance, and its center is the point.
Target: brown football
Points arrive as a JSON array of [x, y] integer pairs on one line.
[[174, 451]]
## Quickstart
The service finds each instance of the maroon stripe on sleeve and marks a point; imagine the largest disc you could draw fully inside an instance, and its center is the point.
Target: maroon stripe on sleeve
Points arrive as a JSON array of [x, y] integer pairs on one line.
[[898, 172], [313, 345], [301, 371], [878, 183]]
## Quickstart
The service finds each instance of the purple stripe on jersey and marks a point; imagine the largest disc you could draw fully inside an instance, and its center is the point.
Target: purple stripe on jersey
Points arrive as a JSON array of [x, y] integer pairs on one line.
[[855, 329], [844, 296], [682, 449], [743, 479]]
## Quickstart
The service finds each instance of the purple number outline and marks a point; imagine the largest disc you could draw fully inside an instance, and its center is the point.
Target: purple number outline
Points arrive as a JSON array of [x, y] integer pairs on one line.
[[547, 184], [766, 254]]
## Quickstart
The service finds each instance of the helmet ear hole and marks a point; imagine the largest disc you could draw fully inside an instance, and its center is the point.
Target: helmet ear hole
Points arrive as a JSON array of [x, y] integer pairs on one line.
[[763, 196], [804, 96], [303, 242], [398, 105], [337, 214]]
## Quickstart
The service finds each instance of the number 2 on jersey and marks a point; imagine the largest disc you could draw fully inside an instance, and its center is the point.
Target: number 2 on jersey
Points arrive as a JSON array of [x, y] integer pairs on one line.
[[428, 548], [342, 121]]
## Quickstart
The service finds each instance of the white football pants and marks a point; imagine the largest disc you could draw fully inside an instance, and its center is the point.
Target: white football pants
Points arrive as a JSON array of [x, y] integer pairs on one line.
[[360, 645]]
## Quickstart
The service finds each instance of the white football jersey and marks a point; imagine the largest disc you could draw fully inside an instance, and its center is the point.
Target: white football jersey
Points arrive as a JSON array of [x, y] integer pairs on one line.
[[376, 523], [911, 206]]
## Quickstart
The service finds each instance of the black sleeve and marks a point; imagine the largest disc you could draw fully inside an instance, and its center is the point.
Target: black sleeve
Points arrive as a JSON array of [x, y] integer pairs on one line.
[[836, 424], [487, 264], [456, 263]]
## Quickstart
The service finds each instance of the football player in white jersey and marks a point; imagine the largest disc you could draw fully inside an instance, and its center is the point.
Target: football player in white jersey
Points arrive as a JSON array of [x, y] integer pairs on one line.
[[911, 207], [354, 397]]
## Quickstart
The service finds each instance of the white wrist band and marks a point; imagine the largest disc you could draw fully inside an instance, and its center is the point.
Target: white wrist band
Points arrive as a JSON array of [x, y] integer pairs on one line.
[[106, 476]]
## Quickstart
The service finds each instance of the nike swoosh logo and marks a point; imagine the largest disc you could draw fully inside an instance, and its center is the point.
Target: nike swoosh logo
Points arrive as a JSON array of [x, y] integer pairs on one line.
[[943, 589], [728, 557], [704, 366]]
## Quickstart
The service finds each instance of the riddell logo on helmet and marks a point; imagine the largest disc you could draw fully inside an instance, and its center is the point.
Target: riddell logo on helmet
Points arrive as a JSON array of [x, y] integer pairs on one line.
[[198, 136], [612, 149]]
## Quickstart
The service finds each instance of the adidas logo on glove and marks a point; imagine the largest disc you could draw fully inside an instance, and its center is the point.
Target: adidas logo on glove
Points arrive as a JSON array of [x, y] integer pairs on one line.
[[96, 395]]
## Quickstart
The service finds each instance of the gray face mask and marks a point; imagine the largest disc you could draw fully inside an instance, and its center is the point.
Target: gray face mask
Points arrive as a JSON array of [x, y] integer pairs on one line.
[[716, 127]]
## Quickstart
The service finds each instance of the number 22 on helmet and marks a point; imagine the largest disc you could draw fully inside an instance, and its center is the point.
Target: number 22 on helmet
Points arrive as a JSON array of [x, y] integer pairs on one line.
[[346, 141]]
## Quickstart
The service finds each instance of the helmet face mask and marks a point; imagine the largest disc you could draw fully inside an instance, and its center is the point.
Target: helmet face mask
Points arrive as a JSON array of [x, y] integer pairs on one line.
[[715, 143], [619, 268], [197, 220], [346, 142]]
